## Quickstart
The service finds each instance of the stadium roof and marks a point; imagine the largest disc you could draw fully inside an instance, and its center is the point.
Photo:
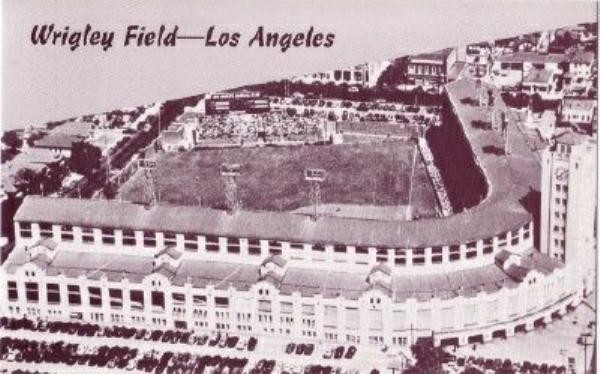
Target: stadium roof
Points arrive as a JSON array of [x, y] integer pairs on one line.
[[308, 282]]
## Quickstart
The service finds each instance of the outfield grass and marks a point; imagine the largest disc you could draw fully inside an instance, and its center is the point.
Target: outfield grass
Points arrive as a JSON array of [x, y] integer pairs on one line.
[[272, 178]]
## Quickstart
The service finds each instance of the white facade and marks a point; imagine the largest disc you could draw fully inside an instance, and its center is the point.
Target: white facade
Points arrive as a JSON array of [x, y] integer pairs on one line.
[[148, 291], [365, 75], [569, 205]]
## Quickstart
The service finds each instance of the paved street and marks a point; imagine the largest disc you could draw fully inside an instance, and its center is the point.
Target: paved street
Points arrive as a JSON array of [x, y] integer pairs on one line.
[[544, 345]]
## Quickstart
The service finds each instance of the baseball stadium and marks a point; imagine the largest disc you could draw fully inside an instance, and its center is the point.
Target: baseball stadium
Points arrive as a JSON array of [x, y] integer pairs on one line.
[[382, 241]]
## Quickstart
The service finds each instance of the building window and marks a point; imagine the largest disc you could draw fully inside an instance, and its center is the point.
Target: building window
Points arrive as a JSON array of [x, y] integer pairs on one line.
[[116, 298], [32, 292], [108, 236], [53, 293], [95, 296], [454, 256], [136, 298], [362, 250], [471, 254], [87, 235], [221, 302], [436, 259], [212, 243], [254, 247], [149, 239], [169, 239], [318, 247], [158, 301], [13, 293], [418, 251], [419, 261], [382, 255], [339, 248], [178, 298], [233, 245], [46, 230], [436, 250], [199, 300], [25, 229], [66, 233], [274, 247], [74, 294], [190, 242], [129, 237]]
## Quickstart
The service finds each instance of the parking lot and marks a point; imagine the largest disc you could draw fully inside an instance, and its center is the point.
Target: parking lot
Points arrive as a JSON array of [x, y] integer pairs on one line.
[[68, 347], [552, 344]]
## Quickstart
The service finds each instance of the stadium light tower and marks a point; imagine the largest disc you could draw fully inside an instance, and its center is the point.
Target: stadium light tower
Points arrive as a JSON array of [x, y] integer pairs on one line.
[[315, 177], [229, 173]]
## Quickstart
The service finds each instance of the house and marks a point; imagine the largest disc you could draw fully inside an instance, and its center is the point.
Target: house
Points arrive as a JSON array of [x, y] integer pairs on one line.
[[431, 69], [509, 70], [579, 70], [60, 139], [477, 57], [578, 111], [540, 81]]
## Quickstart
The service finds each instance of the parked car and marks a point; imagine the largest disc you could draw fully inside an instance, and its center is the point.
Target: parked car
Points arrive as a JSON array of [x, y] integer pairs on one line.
[[339, 352], [290, 348], [309, 348], [350, 352], [252, 343]]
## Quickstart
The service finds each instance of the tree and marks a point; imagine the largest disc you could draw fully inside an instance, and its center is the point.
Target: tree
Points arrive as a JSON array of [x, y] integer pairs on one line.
[[110, 190], [29, 181], [536, 102], [429, 359], [12, 140], [85, 158]]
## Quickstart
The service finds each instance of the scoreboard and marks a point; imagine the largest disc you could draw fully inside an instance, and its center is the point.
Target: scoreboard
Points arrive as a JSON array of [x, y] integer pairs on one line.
[[249, 102]]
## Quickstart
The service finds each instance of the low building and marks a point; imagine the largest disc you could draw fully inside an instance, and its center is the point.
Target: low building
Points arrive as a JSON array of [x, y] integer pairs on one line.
[[540, 81], [61, 138], [363, 75], [178, 136], [510, 70], [578, 111], [477, 57], [431, 69]]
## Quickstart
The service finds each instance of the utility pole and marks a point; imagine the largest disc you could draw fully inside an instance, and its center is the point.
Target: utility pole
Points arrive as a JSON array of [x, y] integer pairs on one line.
[[585, 344]]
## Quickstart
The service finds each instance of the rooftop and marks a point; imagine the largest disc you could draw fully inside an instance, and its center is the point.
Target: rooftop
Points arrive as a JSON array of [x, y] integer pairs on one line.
[[538, 76], [74, 128], [533, 57], [57, 140], [437, 56], [308, 282], [574, 103]]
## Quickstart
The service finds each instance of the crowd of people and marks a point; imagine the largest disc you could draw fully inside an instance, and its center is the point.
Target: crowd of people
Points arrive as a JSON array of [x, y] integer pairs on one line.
[[263, 126], [436, 178]]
